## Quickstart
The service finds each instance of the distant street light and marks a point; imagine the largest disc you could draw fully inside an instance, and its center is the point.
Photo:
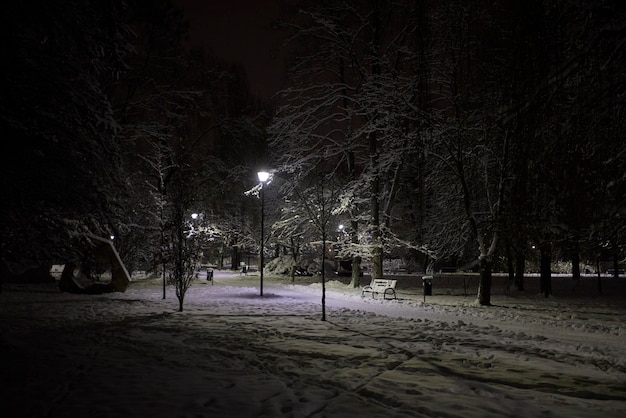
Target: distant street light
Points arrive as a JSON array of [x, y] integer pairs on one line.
[[263, 177]]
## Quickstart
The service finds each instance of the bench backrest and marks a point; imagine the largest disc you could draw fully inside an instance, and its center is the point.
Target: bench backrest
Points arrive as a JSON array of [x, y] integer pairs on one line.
[[383, 284]]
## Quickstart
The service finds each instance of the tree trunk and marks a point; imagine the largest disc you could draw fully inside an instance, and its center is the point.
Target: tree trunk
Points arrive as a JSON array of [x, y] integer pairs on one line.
[[575, 252], [294, 257], [377, 262], [235, 258], [599, 274], [355, 280], [545, 269], [615, 259], [323, 275], [520, 269], [510, 265], [220, 258], [377, 250], [484, 283]]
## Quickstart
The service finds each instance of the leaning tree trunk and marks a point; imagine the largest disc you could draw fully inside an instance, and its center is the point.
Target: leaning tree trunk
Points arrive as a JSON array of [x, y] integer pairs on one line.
[[484, 282]]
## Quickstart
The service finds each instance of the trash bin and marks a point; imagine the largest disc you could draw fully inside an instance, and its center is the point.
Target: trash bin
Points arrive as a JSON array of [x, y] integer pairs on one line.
[[209, 275], [427, 282]]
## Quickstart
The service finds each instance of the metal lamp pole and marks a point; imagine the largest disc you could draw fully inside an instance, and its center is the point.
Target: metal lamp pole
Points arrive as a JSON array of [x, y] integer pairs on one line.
[[263, 177]]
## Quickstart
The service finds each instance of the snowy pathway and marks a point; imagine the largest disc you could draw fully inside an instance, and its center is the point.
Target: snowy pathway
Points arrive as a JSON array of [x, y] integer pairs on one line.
[[232, 353]]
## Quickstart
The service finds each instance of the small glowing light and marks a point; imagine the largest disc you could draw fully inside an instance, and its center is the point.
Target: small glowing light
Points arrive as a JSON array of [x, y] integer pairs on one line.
[[263, 176], [112, 237], [194, 216], [340, 227]]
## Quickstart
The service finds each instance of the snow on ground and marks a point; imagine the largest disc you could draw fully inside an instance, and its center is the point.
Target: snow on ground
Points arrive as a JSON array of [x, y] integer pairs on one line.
[[232, 353]]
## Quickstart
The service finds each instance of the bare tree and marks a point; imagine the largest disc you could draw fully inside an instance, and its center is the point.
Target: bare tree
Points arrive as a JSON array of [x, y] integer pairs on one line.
[[185, 247], [319, 199]]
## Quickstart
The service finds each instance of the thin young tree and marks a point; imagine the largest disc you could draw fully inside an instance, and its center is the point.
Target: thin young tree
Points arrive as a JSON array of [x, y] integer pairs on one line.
[[184, 242], [318, 196]]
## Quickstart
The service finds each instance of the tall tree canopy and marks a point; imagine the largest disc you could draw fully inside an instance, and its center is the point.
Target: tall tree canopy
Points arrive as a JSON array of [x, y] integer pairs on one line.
[[351, 111], [59, 154], [490, 120]]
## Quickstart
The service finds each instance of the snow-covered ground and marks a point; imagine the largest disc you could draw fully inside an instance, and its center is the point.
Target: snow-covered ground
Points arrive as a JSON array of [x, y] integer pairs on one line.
[[232, 353]]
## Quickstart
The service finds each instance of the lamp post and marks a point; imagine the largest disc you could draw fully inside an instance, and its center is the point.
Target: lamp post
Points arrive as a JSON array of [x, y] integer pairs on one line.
[[263, 177]]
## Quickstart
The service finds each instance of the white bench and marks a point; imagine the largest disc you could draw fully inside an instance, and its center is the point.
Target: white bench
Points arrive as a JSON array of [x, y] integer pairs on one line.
[[384, 286]]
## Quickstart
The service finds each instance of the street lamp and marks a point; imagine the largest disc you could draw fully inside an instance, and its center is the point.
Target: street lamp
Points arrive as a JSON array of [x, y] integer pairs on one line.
[[263, 177]]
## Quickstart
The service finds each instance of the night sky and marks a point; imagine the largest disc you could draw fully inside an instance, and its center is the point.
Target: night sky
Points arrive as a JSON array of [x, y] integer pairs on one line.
[[240, 31]]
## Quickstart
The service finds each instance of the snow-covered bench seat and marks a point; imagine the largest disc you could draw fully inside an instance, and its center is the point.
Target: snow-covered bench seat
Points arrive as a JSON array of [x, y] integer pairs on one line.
[[384, 286]]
